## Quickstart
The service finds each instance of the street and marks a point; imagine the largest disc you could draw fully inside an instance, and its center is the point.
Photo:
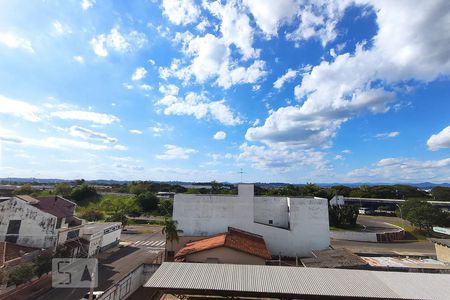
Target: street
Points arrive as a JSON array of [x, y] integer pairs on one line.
[[115, 263], [378, 223], [420, 248]]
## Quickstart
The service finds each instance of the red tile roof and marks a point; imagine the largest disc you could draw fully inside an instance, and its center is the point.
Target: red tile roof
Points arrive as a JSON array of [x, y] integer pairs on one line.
[[236, 239]]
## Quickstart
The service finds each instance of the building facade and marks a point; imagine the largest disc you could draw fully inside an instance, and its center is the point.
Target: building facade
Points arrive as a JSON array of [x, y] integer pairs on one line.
[[49, 222], [25, 224], [290, 226]]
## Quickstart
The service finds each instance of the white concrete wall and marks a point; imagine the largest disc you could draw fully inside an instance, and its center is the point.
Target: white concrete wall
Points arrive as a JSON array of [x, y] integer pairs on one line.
[[272, 208], [37, 228], [112, 236], [202, 215]]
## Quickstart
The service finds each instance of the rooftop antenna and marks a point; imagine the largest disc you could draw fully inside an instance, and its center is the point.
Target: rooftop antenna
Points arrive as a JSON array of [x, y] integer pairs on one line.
[[241, 172]]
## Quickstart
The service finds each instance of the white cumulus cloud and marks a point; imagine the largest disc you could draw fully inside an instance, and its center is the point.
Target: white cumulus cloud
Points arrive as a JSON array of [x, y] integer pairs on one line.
[[19, 109], [117, 41], [181, 12], [220, 135], [86, 133], [98, 118], [439, 140], [407, 46], [135, 131], [288, 76], [385, 135], [86, 4], [175, 152], [78, 58], [199, 106], [11, 40], [139, 74]]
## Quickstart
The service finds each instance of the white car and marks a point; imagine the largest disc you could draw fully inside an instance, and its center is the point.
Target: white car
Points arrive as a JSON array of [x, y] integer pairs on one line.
[[95, 295]]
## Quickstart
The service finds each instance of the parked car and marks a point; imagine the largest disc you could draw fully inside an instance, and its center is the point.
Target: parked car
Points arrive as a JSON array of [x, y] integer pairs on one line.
[[365, 211], [95, 295]]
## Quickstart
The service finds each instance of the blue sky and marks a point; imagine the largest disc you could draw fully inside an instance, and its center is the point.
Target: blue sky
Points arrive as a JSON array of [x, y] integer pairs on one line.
[[289, 91]]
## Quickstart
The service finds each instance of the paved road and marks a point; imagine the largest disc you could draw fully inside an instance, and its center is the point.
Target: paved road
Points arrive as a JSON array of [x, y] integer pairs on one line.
[[420, 248], [378, 223], [117, 262]]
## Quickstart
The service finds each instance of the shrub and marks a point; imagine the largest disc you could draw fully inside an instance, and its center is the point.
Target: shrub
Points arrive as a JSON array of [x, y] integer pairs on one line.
[[21, 274], [92, 215]]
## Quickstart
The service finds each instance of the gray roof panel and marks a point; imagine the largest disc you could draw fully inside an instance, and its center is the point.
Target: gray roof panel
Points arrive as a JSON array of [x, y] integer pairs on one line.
[[300, 281]]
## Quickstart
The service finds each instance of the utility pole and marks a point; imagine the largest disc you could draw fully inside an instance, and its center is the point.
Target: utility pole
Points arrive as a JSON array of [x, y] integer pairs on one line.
[[241, 172]]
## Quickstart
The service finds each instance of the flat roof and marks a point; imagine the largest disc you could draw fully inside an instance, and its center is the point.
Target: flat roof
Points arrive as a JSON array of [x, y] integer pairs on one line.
[[334, 258], [442, 242], [290, 282], [405, 262]]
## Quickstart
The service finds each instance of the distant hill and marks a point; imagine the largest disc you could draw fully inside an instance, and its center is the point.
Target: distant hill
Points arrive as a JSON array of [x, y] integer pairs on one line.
[[422, 185]]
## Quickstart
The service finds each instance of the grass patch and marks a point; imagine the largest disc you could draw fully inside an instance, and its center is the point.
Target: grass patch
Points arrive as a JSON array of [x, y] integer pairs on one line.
[[356, 227], [412, 233]]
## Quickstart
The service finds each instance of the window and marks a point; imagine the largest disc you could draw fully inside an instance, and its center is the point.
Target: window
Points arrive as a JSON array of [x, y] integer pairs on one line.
[[12, 232], [13, 227], [73, 234], [270, 222]]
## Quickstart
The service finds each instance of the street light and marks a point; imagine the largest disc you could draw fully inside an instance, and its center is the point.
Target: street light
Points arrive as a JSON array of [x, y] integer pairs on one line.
[[401, 215]]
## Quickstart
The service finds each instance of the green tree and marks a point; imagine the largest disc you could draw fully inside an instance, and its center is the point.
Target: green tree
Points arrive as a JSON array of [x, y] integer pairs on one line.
[[423, 215], [310, 189], [79, 181], [171, 231], [148, 201], [92, 214], [341, 190], [165, 207], [21, 274], [126, 205], [440, 193], [119, 217], [140, 187], [120, 207], [25, 189], [343, 215], [63, 189], [84, 193], [42, 264]]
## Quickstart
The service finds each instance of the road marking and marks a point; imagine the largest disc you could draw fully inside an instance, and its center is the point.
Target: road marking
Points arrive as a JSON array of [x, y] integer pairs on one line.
[[136, 243], [161, 243]]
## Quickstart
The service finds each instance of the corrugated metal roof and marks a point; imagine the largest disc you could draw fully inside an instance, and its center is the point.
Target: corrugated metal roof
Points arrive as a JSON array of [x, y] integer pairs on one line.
[[300, 281]]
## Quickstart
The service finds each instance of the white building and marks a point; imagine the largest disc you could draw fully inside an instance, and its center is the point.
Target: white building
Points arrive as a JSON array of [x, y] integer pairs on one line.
[[34, 222], [101, 236], [48, 222], [290, 226]]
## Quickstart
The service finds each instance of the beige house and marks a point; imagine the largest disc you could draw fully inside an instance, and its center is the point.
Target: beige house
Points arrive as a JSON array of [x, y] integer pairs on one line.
[[233, 247]]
